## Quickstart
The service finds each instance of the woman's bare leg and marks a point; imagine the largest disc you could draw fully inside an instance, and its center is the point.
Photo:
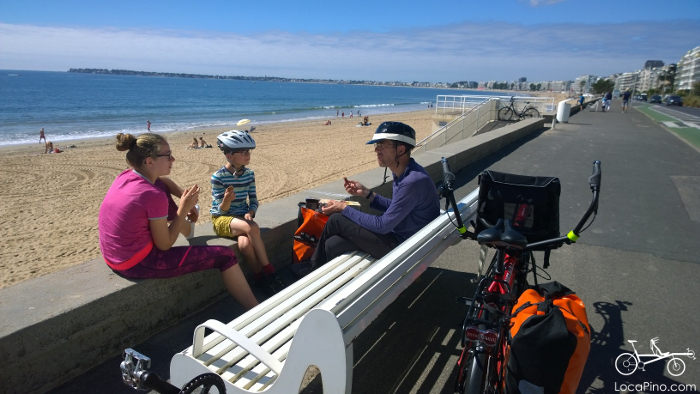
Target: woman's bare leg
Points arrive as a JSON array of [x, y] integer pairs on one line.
[[237, 285]]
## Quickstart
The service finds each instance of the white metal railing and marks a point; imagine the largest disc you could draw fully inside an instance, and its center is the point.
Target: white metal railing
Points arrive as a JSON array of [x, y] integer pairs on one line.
[[446, 104], [471, 119]]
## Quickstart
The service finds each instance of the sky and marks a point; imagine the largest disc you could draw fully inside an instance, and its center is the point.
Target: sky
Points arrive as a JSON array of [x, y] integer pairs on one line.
[[408, 40]]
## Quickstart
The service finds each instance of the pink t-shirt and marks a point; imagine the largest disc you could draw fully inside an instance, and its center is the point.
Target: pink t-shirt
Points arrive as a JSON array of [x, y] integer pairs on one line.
[[125, 214]]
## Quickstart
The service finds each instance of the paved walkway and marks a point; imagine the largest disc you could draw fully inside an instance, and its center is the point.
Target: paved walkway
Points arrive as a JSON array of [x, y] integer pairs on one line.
[[636, 267]]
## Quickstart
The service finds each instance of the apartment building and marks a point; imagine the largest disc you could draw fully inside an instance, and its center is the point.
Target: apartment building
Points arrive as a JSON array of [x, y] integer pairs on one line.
[[688, 70]]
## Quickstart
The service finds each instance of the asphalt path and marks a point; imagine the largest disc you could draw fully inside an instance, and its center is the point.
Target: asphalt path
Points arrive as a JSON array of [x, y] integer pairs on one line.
[[635, 267]]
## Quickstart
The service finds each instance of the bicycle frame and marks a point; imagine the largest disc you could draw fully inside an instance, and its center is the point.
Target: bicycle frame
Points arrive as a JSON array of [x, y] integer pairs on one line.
[[482, 364]]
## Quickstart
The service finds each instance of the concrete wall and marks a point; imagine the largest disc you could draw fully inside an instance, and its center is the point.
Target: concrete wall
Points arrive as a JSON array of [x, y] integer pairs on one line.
[[58, 326]]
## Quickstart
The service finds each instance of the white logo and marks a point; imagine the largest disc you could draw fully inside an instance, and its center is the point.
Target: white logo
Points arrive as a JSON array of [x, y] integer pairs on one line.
[[627, 363]]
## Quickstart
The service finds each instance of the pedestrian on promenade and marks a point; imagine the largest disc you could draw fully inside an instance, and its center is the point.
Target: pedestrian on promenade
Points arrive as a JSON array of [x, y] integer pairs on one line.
[[581, 100], [415, 203], [139, 222], [608, 101], [626, 100]]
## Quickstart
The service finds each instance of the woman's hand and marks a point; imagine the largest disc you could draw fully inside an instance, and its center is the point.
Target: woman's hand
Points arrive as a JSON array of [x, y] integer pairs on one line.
[[355, 188], [193, 215], [190, 198], [333, 206]]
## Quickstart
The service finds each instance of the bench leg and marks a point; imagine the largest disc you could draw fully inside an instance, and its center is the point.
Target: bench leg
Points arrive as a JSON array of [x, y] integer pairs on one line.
[[349, 362], [318, 341]]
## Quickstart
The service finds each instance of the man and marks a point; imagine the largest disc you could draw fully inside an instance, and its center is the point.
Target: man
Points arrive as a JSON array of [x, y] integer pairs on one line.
[[414, 204], [626, 100]]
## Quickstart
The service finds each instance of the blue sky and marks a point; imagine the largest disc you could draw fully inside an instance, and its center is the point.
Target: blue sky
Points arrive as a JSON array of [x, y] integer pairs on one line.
[[372, 40]]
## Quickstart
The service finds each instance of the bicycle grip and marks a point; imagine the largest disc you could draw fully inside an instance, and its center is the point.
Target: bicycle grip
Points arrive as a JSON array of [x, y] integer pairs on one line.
[[447, 175], [594, 179]]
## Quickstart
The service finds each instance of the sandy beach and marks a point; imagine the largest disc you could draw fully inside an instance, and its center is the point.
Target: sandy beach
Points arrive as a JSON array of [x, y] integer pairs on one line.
[[50, 202]]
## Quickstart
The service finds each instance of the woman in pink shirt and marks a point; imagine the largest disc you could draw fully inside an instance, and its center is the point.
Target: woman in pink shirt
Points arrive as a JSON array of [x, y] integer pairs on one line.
[[139, 222]]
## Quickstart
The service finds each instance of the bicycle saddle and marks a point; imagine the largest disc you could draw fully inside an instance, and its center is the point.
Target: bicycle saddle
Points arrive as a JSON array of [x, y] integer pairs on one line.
[[503, 235]]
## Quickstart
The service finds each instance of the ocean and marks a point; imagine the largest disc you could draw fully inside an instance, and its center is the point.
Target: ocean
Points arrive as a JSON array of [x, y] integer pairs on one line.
[[71, 106]]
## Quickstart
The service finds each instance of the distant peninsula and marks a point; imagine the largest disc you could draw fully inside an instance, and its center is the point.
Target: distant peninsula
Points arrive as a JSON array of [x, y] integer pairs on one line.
[[244, 78]]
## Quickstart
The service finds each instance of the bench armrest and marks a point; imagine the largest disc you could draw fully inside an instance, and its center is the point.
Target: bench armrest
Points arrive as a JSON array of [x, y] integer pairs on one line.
[[237, 338]]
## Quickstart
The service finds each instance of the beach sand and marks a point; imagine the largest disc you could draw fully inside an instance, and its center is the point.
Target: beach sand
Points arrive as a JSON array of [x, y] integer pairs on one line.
[[50, 202]]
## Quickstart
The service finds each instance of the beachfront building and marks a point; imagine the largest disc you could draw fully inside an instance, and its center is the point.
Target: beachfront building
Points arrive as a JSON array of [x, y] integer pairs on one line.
[[627, 81], [688, 70], [557, 86], [586, 81]]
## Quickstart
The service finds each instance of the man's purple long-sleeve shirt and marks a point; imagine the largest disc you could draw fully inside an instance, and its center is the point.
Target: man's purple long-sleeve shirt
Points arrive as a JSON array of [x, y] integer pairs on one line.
[[414, 204]]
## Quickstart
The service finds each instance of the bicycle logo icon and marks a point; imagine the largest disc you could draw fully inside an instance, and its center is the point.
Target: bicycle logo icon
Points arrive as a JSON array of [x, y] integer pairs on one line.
[[627, 363]]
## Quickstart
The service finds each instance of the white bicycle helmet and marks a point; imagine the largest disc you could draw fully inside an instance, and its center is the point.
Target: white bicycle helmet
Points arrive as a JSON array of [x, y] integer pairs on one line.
[[235, 140]]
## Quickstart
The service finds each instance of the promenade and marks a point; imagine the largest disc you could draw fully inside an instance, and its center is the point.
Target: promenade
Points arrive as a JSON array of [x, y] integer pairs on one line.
[[635, 267]]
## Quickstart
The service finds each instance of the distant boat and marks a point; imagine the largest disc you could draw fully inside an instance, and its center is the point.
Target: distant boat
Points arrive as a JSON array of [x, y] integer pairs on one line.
[[13, 75]]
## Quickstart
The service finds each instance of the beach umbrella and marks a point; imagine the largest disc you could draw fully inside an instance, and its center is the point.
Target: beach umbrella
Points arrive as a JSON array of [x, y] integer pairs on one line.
[[242, 122]]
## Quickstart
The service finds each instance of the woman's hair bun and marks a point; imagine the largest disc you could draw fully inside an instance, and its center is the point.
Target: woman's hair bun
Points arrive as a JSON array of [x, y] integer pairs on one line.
[[125, 141]]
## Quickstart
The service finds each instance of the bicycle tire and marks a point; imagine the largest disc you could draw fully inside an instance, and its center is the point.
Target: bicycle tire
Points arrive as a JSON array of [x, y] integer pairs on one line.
[[531, 113], [675, 366], [626, 364], [505, 113]]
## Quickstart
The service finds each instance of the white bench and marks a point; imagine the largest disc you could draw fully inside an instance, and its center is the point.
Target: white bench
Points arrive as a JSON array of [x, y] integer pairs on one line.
[[315, 320]]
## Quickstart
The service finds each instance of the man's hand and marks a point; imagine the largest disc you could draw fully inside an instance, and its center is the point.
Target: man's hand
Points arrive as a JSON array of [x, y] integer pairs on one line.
[[333, 206], [355, 188]]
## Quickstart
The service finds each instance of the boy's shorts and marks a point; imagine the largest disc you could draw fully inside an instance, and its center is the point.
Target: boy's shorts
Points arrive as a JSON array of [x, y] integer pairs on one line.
[[222, 225]]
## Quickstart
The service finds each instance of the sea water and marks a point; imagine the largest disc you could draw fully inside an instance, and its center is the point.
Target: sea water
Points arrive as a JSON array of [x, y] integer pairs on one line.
[[76, 106]]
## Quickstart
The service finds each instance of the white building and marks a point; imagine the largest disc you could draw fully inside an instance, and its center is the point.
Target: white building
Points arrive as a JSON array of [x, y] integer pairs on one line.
[[688, 71], [627, 81], [587, 80]]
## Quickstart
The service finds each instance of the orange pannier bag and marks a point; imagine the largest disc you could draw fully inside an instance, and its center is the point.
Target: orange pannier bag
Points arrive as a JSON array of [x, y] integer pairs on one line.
[[306, 237], [549, 341]]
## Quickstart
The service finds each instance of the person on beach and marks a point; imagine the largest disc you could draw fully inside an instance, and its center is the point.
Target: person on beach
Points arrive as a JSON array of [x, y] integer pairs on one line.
[[194, 144], [203, 144], [148, 125], [234, 204], [414, 204], [328, 123], [42, 136], [139, 222], [626, 100]]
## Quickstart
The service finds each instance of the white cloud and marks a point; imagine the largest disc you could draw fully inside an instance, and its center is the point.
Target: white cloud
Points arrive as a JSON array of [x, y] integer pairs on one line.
[[479, 51]]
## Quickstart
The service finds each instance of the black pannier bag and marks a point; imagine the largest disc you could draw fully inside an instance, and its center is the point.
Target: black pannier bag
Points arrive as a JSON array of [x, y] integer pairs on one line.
[[531, 203]]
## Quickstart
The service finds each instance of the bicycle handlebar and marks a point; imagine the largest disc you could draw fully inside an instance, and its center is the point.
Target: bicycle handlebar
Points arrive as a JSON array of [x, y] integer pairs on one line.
[[447, 191], [594, 181]]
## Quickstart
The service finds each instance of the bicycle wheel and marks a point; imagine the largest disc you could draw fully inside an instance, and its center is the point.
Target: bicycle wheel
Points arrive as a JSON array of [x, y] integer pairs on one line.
[[626, 364], [531, 113], [675, 366], [505, 113]]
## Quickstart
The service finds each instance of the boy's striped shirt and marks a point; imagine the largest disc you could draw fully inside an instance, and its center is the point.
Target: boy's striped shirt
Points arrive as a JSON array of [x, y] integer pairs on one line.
[[243, 186]]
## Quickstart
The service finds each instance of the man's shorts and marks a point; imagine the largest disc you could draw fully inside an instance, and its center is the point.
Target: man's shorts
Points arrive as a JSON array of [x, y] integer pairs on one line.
[[222, 225]]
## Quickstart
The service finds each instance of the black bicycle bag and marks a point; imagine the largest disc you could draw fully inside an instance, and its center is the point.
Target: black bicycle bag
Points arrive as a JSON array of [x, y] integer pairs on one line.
[[531, 203]]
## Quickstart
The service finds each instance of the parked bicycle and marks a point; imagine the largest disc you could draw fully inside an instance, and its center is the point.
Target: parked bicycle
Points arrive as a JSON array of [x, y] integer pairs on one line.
[[627, 363], [482, 366], [510, 111]]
